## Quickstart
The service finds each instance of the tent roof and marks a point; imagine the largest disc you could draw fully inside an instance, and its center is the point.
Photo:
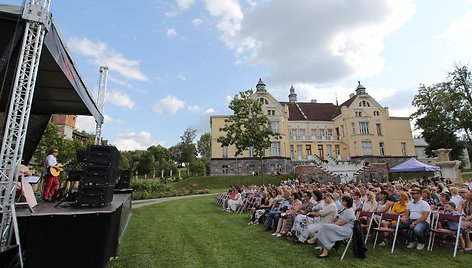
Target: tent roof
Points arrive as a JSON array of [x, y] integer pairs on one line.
[[59, 87], [413, 165]]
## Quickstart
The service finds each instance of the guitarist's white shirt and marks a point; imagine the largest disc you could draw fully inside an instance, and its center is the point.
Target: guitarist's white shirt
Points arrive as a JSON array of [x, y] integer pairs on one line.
[[50, 161]]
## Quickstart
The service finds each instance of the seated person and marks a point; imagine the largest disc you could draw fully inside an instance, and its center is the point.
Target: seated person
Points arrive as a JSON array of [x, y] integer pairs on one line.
[[342, 229], [398, 209], [465, 208], [286, 221], [257, 212], [326, 215], [415, 218], [302, 220], [274, 215]]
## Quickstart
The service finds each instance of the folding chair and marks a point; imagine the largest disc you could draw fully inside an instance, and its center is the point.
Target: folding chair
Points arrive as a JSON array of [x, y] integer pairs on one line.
[[347, 246], [367, 226], [380, 229], [435, 230]]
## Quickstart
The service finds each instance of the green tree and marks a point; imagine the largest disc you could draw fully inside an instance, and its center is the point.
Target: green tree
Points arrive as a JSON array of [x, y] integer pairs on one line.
[[248, 127], [436, 121], [204, 145]]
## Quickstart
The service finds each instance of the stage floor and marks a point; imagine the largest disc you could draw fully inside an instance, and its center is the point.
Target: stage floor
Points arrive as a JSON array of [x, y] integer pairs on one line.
[[47, 208]]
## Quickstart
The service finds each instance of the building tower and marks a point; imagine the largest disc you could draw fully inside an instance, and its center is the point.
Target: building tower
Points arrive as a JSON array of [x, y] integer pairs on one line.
[[260, 87], [293, 96], [360, 90]]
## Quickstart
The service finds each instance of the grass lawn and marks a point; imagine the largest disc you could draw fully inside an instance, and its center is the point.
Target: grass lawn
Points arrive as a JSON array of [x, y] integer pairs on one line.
[[196, 233]]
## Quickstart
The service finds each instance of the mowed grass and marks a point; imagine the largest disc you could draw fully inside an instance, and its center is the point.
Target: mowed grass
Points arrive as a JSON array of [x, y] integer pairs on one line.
[[197, 233]]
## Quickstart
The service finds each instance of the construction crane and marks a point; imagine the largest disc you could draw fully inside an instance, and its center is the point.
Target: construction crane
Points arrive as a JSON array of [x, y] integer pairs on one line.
[[38, 22], [102, 88]]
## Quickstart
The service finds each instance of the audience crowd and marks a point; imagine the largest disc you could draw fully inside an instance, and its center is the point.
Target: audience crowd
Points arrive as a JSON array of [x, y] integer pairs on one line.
[[322, 214]]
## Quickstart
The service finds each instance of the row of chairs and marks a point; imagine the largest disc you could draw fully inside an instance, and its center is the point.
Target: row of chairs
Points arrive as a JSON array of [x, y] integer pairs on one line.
[[436, 228], [436, 218]]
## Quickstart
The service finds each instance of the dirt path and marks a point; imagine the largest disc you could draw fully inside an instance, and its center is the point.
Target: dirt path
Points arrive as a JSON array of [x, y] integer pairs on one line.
[[147, 202]]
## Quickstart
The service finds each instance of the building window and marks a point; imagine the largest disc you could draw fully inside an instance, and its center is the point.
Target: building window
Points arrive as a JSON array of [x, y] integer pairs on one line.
[[337, 150], [376, 113], [275, 126], [367, 148], [358, 114], [322, 134], [225, 152], [353, 128], [364, 127], [342, 130], [379, 129], [403, 148], [328, 149], [381, 148], [330, 133], [293, 133], [263, 101], [313, 134], [275, 148], [251, 151], [224, 169], [308, 149], [271, 112], [292, 153], [302, 134], [299, 152]]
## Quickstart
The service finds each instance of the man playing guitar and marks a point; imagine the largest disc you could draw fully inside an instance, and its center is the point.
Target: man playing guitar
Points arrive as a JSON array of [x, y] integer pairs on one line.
[[50, 181]]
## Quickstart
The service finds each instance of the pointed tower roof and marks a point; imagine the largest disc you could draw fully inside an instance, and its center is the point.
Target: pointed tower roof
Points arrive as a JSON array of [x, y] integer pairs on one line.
[[260, 87], [292, 97], [360, 90]]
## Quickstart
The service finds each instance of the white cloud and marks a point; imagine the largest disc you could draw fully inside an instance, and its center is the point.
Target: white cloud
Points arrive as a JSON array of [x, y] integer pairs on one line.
[[103, 55], [109, 120], [118, 81], [194, 108], [171, 32], [311, 41], [461, 26], [182, 77], [185, 4], [119, 98], [169, 103], [85, 123], [197, 22], [210, 111], [135, 141]]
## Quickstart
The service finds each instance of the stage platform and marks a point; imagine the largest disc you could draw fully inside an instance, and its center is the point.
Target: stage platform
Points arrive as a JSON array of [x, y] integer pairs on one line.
[[73, 237]]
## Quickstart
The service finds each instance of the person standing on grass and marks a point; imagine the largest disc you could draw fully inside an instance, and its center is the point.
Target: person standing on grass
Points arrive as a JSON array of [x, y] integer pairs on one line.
[[415, 218]]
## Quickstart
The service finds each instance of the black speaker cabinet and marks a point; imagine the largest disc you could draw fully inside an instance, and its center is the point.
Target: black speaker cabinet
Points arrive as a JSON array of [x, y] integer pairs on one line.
[[102, 155], [125, 180], [94, 195], [100, 174]]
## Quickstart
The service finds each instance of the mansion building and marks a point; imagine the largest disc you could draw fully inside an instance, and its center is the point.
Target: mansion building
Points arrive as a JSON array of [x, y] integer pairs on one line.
[[358, 130]]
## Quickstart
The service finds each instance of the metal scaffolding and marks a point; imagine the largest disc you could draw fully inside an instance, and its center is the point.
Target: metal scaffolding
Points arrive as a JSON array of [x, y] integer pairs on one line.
[[102, 88], [38, 21]]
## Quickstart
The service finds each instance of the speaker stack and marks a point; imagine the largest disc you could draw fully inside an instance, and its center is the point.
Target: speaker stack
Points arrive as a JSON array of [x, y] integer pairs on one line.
[[125, 180], [99, 176]]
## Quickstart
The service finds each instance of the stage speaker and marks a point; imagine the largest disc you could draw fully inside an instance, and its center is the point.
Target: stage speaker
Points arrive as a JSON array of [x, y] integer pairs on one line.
[[100, 174], [102, 155], [125, 180], [94, 195]]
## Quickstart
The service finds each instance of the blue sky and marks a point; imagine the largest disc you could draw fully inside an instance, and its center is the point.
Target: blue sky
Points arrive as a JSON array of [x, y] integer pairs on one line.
[[175, 63]]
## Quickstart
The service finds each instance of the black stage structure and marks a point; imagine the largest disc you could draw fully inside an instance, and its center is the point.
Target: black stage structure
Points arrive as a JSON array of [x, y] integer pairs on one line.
[[55, 236]]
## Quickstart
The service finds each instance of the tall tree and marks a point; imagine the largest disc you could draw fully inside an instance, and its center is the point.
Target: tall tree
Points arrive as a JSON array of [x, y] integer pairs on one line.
[[248, 127], [437, 123], [204, 145]]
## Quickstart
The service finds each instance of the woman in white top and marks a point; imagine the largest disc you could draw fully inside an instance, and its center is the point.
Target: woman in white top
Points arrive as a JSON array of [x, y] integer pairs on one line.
[[233, 203]]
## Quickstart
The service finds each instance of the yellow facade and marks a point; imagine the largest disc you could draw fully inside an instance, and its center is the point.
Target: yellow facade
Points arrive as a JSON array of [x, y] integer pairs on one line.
[[360, 127]]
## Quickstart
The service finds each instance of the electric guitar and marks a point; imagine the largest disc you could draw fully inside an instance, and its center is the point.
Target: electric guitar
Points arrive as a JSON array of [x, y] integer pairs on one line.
[[57, 169]]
